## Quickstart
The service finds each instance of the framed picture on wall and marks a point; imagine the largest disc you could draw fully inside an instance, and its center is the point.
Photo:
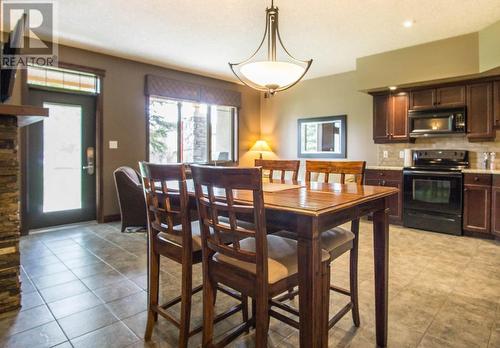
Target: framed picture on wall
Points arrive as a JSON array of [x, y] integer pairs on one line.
[[322, 137]]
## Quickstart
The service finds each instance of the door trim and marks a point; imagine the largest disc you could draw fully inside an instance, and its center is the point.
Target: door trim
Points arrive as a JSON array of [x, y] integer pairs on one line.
[[99, 114]]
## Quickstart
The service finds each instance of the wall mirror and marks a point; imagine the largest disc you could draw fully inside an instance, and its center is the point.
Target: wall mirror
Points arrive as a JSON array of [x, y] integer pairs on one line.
[[322, 137]]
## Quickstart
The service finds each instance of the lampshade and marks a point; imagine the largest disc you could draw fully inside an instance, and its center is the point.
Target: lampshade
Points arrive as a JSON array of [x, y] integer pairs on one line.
[[261, 146], [272, 75]]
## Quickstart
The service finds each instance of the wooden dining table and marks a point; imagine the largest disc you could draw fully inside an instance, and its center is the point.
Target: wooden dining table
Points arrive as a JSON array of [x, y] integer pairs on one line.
[[311, 208]]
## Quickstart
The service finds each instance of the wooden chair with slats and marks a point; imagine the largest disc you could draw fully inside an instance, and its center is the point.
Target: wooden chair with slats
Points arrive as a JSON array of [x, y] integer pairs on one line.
[[260, 266], [282, 166], [338, 240], [171, 234]]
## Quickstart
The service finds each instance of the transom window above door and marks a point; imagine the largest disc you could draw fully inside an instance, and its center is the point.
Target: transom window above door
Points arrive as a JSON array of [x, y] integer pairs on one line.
[[62, 79], [191, 132]]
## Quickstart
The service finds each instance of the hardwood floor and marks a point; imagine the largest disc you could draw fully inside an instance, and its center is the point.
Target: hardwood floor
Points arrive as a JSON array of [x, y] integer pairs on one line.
[[85, 286]]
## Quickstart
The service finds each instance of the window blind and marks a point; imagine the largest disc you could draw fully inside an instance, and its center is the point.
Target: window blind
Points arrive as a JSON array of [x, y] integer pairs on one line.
[[171, 88]]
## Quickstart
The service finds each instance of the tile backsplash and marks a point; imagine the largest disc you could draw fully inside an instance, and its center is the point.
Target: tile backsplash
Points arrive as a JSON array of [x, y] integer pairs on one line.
[[446, 143]]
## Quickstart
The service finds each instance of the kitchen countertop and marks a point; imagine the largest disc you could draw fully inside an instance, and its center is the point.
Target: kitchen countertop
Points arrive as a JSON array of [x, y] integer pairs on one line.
[[481, 171], [387, 168]]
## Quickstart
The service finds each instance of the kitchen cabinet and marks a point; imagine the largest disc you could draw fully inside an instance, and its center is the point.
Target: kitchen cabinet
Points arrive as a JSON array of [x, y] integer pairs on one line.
[[443, 97], [449, 97], [480, 118], [496, 102], [380, 118], [389, 178], [422, 99], [477, 203], [495, 206], [390, 118]]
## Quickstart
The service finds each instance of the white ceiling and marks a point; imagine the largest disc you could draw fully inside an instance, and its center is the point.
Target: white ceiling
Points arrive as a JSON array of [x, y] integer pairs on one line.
[[202, 36]]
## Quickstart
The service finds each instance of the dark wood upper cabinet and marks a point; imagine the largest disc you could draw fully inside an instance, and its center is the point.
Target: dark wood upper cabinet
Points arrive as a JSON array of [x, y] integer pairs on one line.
[[399, 120], [381, 118], [480, 111], [422, 99], [496, 102], [443, 97], [390, 118], [453, 96]]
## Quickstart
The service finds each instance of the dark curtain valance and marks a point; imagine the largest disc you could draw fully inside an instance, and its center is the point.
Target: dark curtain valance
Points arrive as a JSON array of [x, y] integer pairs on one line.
[[170, 88]]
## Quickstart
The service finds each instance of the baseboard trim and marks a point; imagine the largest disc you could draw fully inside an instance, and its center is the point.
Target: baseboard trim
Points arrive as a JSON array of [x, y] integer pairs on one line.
[[111, 218]]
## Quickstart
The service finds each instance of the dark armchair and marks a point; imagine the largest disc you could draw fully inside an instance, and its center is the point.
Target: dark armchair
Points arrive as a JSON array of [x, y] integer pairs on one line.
[[131, 198]]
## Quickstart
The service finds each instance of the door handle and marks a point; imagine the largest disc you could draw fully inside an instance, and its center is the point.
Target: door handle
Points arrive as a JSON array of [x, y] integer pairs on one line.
[[90, 167]]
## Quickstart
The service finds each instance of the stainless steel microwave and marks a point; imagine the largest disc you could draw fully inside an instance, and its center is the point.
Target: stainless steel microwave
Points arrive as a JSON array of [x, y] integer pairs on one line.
[[435, 122]]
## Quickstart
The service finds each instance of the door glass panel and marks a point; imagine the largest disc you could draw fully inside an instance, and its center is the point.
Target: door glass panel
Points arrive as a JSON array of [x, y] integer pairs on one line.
[[431, 191], [62, 158], [194, 132]]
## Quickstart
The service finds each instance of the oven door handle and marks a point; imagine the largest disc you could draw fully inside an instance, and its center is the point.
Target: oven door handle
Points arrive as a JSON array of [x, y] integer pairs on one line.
[[425, 173]]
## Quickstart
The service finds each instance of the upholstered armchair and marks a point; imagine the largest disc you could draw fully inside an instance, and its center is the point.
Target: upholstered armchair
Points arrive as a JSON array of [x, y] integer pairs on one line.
[[131, 198]]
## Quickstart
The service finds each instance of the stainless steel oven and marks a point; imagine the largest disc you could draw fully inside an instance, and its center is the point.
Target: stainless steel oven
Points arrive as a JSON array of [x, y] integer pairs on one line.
[[437, 122], [433, 191]]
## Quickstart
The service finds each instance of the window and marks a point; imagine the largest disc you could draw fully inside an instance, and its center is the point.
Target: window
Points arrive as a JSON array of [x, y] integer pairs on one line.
[[190, 132], [63, 79]]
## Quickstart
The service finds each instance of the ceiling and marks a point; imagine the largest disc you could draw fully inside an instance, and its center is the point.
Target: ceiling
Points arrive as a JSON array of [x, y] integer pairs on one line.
[[202, 36]]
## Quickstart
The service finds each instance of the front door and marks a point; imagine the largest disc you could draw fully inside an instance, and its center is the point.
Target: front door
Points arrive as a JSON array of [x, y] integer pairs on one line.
[[60, 175]]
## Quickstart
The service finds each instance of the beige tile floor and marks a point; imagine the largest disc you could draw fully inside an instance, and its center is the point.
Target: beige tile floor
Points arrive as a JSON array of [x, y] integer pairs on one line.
[[84, 287]]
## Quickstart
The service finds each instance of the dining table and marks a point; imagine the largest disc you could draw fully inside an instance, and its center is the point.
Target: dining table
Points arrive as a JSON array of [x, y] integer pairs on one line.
[[311, 208]]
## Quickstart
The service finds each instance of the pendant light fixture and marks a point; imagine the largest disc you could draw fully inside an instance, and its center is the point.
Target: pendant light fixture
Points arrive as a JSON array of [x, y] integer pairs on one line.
[[275, 70]]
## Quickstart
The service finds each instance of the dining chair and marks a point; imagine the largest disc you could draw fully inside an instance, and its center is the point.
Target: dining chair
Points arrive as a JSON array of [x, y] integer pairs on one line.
[[260, 266], [171, 234], [282, 166], [338, 240]]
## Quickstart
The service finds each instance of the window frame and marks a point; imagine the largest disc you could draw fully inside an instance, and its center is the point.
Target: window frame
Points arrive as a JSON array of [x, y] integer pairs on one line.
[[234, 131], [323, 154]]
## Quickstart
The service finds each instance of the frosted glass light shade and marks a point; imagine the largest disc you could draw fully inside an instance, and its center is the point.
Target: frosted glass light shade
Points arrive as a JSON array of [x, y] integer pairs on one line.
[[272, 74]]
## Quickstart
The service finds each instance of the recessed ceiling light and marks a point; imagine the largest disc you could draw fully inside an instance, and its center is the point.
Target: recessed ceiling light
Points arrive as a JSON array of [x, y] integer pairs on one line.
[[408, 23], [393, 88]]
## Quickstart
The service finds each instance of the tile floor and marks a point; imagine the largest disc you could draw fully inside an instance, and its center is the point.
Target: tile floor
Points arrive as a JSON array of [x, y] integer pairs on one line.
[[84, 287]]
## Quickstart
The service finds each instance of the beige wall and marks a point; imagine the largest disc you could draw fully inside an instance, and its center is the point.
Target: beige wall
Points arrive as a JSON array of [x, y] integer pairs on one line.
[[443, 59], [326, 96], [124, 111], [489, 47]]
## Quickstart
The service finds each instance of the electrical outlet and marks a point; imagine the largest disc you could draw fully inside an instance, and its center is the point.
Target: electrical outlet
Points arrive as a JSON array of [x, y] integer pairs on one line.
[[401, 154], [113, 144], [386, 154]]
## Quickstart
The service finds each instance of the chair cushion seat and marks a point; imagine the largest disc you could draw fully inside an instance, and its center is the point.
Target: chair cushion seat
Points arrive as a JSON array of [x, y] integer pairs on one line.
[[335, 238], [282, 257], [195, 233], [336, 241]]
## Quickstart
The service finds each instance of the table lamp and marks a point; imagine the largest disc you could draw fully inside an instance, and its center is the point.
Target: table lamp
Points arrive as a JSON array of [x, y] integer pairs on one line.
[[261, 146]]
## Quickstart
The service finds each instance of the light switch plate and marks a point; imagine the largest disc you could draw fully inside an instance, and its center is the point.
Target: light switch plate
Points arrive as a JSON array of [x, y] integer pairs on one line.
[[113, 144], [401, 154], [386, 154]]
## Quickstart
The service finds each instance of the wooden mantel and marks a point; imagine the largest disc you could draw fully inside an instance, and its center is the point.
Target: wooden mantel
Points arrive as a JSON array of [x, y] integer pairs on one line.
[[11, 118], [26, 114]]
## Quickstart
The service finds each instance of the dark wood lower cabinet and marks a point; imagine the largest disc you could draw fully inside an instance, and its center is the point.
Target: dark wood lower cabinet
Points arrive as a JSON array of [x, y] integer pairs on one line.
[[389, 178], [495, 206], [477, 208]]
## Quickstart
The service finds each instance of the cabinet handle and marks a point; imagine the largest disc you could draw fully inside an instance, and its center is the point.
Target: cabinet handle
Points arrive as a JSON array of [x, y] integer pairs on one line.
[[383, 183], [476, 178]]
